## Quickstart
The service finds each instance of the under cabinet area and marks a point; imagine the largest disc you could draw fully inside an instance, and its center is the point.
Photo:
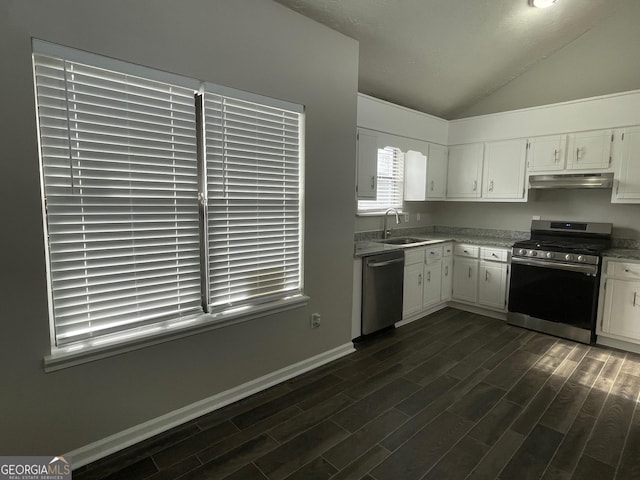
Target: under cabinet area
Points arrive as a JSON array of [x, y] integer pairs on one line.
[[619, 314]]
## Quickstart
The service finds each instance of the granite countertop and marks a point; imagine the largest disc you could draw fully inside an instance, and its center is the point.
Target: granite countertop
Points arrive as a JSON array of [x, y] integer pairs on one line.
[[629, 253], [371, 247]]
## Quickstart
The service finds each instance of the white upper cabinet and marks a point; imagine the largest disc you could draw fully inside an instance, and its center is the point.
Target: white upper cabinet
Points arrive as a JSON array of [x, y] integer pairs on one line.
[[415, 176], [628, 183], [425, 172], [465, 171], [503, 172], [547, 153], [589, 150], [367, 165], [436, 172]]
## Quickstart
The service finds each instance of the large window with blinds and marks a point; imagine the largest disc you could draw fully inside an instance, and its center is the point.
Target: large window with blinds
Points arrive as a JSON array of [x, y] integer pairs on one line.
[[165, 198]]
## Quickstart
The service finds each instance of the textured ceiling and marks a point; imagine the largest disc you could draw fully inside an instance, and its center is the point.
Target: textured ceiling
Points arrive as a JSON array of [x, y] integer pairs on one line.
[[446, 57]]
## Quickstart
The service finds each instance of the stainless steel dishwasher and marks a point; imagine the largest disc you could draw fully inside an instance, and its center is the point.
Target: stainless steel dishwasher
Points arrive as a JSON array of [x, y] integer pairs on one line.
[[382, 283]]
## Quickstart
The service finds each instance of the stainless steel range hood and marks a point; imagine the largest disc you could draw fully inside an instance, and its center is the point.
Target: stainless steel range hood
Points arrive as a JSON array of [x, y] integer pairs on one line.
[[576, 180]]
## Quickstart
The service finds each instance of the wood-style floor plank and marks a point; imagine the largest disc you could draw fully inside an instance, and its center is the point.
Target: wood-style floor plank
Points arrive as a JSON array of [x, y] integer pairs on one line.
[[454, 395]]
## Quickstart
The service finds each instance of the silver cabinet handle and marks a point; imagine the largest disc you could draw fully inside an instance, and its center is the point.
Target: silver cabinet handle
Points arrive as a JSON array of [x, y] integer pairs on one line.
[[486, 275], [578, 154], [446, 270], [432, 185], [469, 272], [373, 182], [419, 279], [475, 185], [556, 157], [494, 255], [635, 295], [429, 276], [491, 186]]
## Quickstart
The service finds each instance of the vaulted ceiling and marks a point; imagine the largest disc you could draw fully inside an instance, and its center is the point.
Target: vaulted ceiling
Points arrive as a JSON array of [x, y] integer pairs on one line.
[[457, 58]]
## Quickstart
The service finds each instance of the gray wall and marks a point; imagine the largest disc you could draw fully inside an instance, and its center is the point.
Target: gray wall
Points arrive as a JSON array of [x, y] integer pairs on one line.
[[253, 45], [587, 205]]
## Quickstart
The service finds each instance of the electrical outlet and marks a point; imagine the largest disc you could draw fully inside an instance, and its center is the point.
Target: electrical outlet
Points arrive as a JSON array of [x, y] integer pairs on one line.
[[418, 216], [315, 320], [536, 217], [406, 218]]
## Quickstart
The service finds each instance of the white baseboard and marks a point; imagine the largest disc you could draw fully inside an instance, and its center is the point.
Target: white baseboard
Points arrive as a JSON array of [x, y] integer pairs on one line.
[[113, 443], [487, 312], [421, 314], [619, 344]]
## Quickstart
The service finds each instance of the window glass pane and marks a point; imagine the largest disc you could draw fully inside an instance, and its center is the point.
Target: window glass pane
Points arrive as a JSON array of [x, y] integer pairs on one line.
[[390, 182], [118, 156], [254, 210]]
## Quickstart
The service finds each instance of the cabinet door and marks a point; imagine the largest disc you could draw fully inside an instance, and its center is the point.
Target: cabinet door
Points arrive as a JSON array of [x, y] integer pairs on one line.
[[547, 153], [590, 150], [412, 291], [465, 279], [622, 308], [367, 165], [464, 171], [503, 171], [447, 275], [415, 176], [436, 172], [432, 283], [492, 284], [629, 174]]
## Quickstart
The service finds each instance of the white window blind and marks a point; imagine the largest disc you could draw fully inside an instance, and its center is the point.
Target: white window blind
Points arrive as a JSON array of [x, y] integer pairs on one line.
[[390, 182], [120, 184], [254, 201]]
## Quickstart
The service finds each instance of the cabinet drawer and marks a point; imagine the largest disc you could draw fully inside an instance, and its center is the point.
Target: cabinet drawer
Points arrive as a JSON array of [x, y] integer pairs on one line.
[[433, 254], [624, 270], [414, 255], [447, 250], [463, 250], [495, 254]]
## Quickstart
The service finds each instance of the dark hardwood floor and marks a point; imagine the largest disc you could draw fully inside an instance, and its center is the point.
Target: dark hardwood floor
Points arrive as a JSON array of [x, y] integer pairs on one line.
[[452, 396]]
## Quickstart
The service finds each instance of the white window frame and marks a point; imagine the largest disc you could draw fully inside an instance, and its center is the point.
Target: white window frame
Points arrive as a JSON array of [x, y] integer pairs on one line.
[[164, 330], [390, 185]]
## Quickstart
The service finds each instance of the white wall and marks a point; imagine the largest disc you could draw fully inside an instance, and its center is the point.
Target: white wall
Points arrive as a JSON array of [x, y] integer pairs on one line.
[[253, 45]]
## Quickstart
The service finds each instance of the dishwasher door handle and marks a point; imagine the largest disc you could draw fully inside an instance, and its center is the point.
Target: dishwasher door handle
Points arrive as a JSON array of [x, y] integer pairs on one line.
[[384, 264]]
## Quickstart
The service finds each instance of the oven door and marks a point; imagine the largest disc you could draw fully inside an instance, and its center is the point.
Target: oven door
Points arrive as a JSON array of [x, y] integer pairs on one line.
[[555, 292]]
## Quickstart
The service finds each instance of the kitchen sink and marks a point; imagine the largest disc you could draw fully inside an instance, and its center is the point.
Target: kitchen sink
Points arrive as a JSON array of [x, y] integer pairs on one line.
[[403, 240]]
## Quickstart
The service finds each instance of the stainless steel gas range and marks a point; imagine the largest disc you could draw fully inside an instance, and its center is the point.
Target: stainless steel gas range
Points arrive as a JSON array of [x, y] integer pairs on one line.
[[555, 278]]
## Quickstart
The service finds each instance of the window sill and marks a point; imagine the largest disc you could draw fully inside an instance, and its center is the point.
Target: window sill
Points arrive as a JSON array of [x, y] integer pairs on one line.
[[376, 213], [92, 350]]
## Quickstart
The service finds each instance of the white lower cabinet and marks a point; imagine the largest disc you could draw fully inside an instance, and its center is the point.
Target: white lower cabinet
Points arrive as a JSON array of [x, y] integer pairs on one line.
[[492, 284], [620, 315], [481, 276], [465, 273], [424, 276], [461, 272]]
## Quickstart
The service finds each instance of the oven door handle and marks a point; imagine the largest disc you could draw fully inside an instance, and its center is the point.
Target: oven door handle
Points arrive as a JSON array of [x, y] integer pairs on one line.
[[586, 269]]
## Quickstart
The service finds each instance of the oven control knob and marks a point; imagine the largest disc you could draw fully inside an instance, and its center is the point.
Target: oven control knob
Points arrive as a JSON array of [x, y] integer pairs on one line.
[[522, 251], [533, 253], [580, 258], [568, 256], [549, 255]]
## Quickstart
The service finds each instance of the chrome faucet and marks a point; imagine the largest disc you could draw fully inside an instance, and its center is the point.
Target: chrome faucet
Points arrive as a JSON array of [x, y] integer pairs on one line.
[[386, 232]]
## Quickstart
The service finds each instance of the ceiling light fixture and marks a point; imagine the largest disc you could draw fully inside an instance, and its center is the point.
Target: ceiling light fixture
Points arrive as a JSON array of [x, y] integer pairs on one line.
[[541, 3]]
